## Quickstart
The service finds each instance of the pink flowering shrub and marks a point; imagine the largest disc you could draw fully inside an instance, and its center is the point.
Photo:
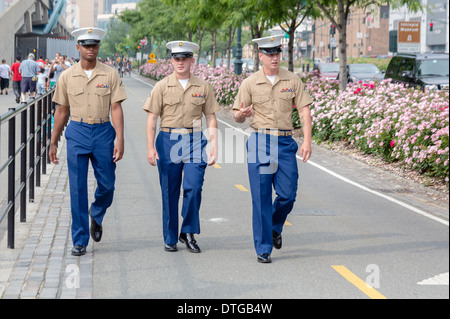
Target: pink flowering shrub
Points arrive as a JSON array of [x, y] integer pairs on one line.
[[386, 119], [157, 71]]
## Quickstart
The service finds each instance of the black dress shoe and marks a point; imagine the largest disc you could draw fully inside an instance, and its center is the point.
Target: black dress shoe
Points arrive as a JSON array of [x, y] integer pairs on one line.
[[191, 243], [78, 250], [277, 240], [96, 230], [264, 259], [171, 248]]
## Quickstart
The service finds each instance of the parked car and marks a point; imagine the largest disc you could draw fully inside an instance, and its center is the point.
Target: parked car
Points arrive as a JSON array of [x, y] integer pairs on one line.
[[203, 61], [426, 71], [363, 72], [248, 65], [223, 62], [326, 70]]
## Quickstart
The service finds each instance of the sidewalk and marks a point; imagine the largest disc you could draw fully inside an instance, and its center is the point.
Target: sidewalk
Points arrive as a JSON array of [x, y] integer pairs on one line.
[[41, 265]]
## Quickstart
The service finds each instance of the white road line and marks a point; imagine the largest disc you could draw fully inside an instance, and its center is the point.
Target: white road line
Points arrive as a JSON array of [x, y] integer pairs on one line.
[[344, 179], [438, 280], [141, 80]]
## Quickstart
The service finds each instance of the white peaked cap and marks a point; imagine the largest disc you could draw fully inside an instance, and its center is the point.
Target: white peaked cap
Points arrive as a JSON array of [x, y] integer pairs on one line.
[[182, 48], [269, 45], [88, 35]]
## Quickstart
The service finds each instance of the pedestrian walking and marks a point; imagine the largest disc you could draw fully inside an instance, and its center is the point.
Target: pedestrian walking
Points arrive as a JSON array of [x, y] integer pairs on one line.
[[129, 67], [41, 82], [180, 100], [58, 66], [17, 78], [93, 92], [47, 67], [29, 69], [40, 62], [5, 73], [270, 95]]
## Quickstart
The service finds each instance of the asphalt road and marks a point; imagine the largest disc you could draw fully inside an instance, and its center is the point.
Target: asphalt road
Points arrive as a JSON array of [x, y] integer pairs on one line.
[[339, 236]]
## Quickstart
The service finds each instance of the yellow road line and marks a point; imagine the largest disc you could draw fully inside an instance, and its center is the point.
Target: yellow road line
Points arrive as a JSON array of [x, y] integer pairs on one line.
[[217, 166], [358, 283], [286, 223], [241, 188]]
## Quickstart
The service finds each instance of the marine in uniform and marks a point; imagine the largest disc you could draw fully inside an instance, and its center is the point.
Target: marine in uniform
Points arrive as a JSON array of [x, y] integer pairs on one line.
[[93, 92], [181, 100], [270, 95]]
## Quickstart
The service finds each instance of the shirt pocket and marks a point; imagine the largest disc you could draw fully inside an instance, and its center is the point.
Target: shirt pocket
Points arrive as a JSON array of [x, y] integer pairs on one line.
[[102, 101], [286, 101], [196, 106], [75, 95], [170, 107], [261, 104]]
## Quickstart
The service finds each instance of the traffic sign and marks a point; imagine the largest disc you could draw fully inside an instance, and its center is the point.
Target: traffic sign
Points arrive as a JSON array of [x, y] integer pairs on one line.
[[408, 37], [143, 41], [333, 42], [151, 58]]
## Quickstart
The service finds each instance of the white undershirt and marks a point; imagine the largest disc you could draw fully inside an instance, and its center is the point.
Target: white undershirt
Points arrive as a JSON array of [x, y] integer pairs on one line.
[[184, 82], [88, 73], [271, 78]]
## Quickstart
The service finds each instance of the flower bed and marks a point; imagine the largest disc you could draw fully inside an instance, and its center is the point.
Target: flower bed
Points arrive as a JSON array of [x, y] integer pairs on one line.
[[386, 119], [397, 123]]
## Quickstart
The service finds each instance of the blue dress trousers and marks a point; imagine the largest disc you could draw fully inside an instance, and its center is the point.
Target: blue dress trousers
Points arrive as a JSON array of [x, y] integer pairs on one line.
[[271, 162], [94, 142], [182, 161]]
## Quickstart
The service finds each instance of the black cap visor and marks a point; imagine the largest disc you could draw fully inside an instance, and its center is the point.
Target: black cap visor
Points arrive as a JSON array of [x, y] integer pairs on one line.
[[88, 42], [274, 50], [182, 55]]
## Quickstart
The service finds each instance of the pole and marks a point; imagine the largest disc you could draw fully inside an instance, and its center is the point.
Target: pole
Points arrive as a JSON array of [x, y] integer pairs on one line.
[[238, 62], [314, 41], [11, 178]]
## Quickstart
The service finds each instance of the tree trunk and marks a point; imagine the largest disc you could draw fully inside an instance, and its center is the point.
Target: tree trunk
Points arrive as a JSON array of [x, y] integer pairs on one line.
[[342, 28], [214, 48], [291, 48], [231, 32], [200, 39], [256, 34]]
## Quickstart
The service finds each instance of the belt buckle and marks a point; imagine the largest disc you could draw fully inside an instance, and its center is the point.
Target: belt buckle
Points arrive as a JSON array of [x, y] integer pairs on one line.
[[91, 121]]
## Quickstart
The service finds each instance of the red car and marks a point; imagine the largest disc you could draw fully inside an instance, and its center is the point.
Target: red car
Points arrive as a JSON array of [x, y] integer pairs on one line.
[[326, 70]]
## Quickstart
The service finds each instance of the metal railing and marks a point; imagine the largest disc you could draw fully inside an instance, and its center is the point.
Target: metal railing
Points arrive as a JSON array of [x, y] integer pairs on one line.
[[31, 155]]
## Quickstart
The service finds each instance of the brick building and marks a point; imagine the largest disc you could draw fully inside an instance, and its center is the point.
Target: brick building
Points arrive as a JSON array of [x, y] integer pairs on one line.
[[365, 36]]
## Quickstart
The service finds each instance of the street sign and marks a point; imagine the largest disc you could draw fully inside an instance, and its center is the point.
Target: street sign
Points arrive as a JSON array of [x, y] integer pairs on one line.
[[333, 42], [143, 41], [408, 37], [152, 58]]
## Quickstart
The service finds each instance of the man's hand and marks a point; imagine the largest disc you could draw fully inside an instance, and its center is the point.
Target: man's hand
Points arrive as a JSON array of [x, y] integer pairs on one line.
[[152, 156], [243, 113], [212, 159], [247, 111], [118, 151], [52, 154], [305, 151]]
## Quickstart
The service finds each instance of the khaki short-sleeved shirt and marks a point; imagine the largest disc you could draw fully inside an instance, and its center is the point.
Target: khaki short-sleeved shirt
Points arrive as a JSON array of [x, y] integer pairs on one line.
[[89, 98], [272, 104], [178, 107]]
